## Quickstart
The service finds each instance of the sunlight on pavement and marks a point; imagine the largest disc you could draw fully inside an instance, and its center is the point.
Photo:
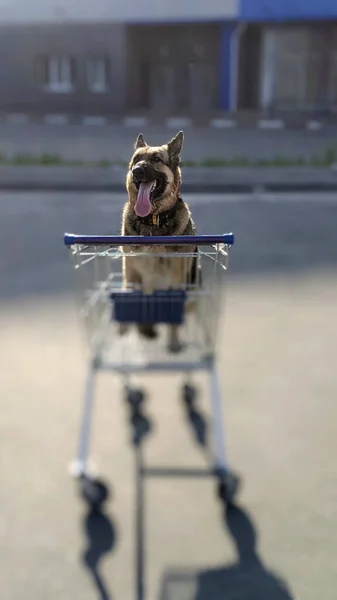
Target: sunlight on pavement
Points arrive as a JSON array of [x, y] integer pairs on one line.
[[277, 355]]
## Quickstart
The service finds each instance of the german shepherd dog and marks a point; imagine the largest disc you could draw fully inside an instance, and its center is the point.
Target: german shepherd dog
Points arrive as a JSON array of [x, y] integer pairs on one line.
[[155, 208]]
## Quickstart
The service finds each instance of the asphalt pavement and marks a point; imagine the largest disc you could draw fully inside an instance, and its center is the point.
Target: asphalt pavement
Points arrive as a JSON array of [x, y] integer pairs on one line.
[[278, 365]]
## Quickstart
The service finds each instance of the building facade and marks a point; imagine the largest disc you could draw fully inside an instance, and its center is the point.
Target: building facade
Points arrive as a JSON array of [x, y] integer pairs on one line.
[[56, 68], [288, 56], [199, 60], [114, 58]]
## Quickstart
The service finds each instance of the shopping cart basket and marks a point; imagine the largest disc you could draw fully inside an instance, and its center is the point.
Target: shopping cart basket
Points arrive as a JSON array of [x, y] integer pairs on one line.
[[112, 313]]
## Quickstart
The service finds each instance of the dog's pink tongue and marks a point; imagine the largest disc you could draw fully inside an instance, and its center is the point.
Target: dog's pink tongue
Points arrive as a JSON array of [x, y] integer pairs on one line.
[[143, 204]]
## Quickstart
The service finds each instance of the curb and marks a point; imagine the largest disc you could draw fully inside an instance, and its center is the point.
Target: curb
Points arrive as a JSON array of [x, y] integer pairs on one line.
[[173, 122], [202, 180]]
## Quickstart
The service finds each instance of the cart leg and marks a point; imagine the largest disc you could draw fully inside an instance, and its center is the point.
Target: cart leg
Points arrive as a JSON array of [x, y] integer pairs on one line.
[[92, 490], [228, 482], [79, 466]]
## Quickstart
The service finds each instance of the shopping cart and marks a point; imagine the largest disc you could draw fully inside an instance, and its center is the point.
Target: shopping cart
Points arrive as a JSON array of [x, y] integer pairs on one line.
[[112, 312]]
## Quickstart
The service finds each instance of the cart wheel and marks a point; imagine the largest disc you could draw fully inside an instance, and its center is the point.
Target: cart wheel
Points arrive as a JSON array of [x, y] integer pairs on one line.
[[228, 487], [135, 398], [189, 395], [94, 492]]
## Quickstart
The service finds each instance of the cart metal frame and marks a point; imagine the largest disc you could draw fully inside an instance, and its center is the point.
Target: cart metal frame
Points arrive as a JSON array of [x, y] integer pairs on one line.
[[88, 252]]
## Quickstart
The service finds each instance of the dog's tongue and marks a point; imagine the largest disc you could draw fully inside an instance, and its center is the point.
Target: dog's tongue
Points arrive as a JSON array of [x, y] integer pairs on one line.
[[143, 203]]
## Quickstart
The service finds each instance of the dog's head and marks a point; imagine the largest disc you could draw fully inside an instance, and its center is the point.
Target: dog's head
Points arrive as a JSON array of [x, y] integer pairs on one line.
[[153, 180]]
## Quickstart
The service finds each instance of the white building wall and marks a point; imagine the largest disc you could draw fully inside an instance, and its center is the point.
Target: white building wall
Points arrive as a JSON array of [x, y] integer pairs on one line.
[[146, 11]]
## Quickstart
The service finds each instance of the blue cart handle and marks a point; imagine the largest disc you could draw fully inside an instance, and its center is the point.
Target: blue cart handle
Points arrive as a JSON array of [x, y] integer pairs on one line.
[[70, 239]]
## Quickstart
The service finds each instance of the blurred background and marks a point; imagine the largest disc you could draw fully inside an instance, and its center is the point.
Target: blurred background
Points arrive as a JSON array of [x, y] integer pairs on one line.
[[253, 84]]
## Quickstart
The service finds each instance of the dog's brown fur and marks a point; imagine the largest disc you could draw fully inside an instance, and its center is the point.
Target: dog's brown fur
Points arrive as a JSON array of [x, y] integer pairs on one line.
[[169, 216]]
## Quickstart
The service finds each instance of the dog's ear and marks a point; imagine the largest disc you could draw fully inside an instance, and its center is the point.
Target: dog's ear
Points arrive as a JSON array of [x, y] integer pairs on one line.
[[140, 143], [175, 146]]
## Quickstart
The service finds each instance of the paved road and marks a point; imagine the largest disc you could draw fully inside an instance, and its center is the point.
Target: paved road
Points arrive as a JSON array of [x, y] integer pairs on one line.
[[278, 358], [79, 142]]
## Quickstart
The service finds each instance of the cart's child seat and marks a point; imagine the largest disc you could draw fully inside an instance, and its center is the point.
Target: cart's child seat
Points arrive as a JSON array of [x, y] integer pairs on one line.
[[164, 306]]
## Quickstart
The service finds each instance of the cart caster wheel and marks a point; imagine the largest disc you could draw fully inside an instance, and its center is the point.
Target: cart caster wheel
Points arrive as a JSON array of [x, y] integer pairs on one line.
[[94, 492], [189, 395], [227, 488], [135, 398]]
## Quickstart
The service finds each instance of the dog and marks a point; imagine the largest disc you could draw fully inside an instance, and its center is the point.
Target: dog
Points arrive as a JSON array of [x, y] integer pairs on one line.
[[155, 208]]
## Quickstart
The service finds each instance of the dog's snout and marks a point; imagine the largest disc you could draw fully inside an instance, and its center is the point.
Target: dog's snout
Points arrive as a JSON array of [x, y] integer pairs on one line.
[[138, 172]]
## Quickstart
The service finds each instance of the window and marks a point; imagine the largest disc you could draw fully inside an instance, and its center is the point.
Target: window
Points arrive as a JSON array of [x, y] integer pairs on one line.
[[97, 74], [56, 74]]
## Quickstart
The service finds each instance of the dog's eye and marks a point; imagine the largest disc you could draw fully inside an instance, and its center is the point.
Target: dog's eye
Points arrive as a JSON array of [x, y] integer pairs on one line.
[[156, 159]]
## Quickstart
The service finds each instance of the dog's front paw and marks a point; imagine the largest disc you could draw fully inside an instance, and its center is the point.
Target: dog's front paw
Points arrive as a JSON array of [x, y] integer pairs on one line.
[[174, 344], [148, 331], [123, 328]]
